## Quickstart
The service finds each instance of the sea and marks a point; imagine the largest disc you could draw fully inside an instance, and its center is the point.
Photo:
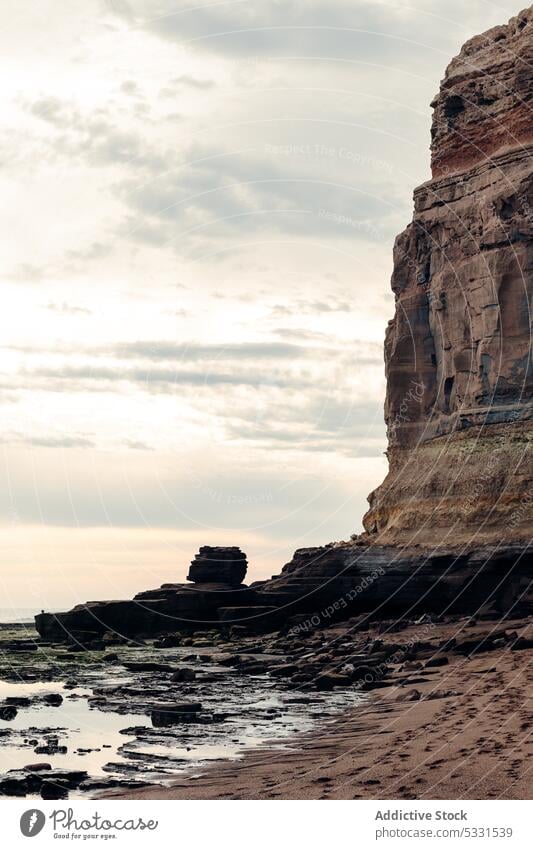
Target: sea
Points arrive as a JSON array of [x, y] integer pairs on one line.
[[17, 615]]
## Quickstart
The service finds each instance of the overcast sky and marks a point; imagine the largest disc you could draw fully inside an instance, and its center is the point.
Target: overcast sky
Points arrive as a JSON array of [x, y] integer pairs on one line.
[[199, 206]]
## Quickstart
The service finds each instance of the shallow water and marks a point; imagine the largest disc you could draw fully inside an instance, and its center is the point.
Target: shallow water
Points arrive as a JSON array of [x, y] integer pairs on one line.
[[152, 754], [75, 724]]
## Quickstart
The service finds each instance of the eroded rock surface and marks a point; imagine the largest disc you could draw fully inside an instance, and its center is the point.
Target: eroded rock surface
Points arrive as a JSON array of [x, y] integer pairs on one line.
[[458, 360], [484, 104], [450, 528], [226, 564], [217, 573]]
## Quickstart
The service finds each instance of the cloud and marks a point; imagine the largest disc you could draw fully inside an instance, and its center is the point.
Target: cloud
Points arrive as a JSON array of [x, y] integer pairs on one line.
[[95, 136], [307, 306], [283, 28], [130, 87], [61, 441], [137, 445], [157, 350], [187, 81], [214, 192], [151, 379], [67, 309], [302, 334], [318, 421], [25, 272], [136, 491], [161, 350]]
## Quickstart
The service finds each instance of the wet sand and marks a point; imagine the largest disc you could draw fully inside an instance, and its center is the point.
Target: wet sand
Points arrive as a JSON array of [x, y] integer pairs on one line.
[[468, 736]]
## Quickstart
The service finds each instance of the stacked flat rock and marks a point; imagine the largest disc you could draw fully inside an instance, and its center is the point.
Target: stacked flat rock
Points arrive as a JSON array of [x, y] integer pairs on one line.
[[218, 564]]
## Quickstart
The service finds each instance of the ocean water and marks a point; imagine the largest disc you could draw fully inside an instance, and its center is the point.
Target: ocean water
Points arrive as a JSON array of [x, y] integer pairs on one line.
[[10, 615]]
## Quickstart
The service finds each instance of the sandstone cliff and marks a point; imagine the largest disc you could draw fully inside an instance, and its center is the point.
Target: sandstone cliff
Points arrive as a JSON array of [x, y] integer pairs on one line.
[[450, 528], [459, 398]]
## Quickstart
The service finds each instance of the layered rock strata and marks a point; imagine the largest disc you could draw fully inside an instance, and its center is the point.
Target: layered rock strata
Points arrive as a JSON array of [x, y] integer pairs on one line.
[[450, 528], [459, 403], [217, 563], [217, 573]]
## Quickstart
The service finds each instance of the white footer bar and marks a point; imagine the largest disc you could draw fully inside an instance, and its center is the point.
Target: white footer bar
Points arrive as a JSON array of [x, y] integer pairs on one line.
[[266, 825]]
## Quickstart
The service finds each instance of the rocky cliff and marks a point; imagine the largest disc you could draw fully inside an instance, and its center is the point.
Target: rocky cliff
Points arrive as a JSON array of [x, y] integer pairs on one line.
[[450, 528], [459, 397]]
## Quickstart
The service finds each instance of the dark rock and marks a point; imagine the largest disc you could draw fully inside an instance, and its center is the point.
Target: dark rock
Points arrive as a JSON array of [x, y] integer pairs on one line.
[[438, 660], [51, 748], [8, 712], [18, 783], [166, 715], [54, 789], [225, 564], [409, 696], [258, 618], [328, 681], [146, 666], [22, 782], [284, 670], [478, 644], [522, 643], [254, 667], [53, 699], [39, 767], [17, 701], [183, 674], [169, 641]]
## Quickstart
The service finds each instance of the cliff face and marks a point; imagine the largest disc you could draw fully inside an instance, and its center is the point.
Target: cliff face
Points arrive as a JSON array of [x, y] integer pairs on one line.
[[450, 528], [458, 361]]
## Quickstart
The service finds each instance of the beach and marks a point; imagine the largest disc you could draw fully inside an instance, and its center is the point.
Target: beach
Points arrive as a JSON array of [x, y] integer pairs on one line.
[[465, 735]]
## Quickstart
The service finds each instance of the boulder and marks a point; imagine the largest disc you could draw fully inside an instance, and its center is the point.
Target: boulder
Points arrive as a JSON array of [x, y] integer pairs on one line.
[[8, 712], [224, 564], [52, 699], [165, 715], [438, 660], [57, 789], [183, 674]]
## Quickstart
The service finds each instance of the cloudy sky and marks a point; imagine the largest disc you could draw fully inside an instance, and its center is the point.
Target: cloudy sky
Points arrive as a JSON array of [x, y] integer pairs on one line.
[[199, 205]]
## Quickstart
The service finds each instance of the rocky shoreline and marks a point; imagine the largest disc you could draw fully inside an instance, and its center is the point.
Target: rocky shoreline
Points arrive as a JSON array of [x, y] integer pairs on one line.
[[332, 581], [427, 613], [449, 719], [184, 694]]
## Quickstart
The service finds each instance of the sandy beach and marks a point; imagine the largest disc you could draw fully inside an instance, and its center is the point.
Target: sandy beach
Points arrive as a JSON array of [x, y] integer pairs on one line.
[[465, 735]]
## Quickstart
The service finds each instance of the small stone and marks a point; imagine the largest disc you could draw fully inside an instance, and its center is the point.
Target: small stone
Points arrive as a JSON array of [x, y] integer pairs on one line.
[[38, 767], [8, 712], [54, 789], [438, 660], [183, 674], [53, 699]]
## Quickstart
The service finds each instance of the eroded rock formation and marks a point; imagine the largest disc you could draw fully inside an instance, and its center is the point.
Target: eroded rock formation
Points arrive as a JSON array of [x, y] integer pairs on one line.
[[450, 528], [458, 361], [226, 564], [217, 573]]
